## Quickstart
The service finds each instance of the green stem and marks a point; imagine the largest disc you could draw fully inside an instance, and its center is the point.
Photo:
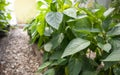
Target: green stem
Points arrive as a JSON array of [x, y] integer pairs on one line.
[[110, 71], [103, 32]]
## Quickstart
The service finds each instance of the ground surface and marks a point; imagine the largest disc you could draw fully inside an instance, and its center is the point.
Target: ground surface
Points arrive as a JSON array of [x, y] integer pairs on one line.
[[16, 55]]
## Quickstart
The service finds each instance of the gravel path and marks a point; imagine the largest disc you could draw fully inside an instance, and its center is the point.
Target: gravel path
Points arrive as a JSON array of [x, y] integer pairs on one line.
[[16, 55]]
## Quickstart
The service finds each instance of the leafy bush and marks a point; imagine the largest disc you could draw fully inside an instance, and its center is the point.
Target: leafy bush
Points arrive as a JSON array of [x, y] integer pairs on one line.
[[76, 41], [4, 17], [116, 13]]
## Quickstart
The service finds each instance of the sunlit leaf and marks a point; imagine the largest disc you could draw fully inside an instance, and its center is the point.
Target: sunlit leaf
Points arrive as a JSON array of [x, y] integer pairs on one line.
[[108, 12], [71, 12], [54, 42], [54, 19], [75, 46]]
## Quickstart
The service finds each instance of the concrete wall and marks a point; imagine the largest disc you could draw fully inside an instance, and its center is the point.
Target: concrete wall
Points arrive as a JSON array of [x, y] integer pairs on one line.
[[25, 10]]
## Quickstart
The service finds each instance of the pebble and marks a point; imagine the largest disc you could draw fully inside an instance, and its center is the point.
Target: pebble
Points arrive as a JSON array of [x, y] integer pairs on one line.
[[16, 54]]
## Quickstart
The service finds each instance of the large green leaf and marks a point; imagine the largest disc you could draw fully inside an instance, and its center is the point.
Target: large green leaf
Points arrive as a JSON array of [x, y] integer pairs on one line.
[[115, 31], [114, 56], [71, 12], [116, 71], [54, 19], [74, 66], [108, 12], [75, 46], [115, 43], [44, 65], [82, 26], [56, 41], [50, 72], [106, 47]]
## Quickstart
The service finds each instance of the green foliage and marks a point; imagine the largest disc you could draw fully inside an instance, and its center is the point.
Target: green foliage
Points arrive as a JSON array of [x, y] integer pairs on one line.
[[76, 41], [76, 45], [116, 13], [4, 17], [74, 66], [114, 56], [53, 43], [54, 19]]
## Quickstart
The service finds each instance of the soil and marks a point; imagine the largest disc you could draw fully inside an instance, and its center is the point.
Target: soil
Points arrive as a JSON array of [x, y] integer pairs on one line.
[[17, 56]]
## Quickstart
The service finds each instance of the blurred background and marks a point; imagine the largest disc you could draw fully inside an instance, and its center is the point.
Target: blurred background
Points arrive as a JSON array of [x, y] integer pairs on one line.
[[23, 11]]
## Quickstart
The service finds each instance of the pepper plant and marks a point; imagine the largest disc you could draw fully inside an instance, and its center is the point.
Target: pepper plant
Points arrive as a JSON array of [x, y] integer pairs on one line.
[[116, 13], [74, 40], [4, 17]]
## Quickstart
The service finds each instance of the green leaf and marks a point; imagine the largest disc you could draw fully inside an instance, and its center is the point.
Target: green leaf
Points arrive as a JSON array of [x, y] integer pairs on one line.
[[106, 47], [116, 71], [74, 66], [54, 19], [44, 65], [107, 24], [48, 1], [41, 29], [82, 26], [115, 43], [89, 73], [48, 31], [56, 41], [68, 2], [114, 31], [108, 64], [108, 12], [58, 62], [53, 7], [34, 36], [50, 72], [40, 41], [39, 4], [114, 56], [75, 46], [89, 13], [99, 12], [82, 22], [56, 55], [71, 12]]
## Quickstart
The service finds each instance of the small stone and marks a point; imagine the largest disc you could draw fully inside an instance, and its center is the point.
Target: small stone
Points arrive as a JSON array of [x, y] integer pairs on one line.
[[12, 66], [17, 54], [3, 62]]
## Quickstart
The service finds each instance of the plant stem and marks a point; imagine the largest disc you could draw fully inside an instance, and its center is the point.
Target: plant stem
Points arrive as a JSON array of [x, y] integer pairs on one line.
[[110, 71]]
